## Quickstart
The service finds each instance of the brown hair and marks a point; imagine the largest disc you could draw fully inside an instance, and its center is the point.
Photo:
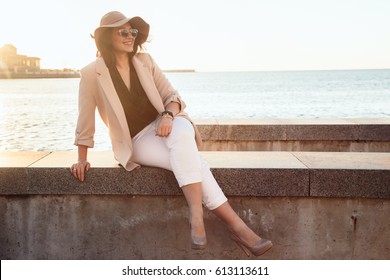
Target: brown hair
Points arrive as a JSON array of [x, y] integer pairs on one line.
[[103, 43]]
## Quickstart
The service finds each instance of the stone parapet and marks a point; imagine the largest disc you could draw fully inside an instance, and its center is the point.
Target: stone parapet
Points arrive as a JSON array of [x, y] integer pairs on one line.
[[339, 135], [311, 205], [319, 189], [266, 174]]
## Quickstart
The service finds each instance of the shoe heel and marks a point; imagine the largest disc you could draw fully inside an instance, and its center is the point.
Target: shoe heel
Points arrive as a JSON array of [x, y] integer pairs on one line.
[[246, 251]]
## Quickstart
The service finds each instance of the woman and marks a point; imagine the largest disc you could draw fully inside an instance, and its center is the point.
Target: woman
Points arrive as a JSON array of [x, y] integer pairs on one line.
[[148, 126]]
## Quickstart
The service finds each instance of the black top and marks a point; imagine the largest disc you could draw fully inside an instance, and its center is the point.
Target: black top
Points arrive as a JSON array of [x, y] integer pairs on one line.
[[138, 109]]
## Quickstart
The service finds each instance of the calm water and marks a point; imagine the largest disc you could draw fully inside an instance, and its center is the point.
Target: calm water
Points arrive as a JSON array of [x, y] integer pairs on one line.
[[40, 114]]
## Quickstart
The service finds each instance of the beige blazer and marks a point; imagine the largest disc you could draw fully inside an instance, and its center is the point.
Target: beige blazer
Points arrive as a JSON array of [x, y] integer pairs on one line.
[[97, 90]]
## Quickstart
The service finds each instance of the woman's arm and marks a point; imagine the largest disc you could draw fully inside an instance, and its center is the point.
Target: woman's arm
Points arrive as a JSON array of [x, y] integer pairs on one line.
[[174, 107], [78, 169], [85, 128], [165, 125]]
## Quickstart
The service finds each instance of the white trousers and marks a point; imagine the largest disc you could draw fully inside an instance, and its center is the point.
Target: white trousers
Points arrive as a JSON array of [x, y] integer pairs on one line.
[[178, 152]]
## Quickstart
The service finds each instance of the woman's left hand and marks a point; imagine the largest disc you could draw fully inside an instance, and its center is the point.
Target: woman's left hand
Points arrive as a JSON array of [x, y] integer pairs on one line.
[[164, 127]]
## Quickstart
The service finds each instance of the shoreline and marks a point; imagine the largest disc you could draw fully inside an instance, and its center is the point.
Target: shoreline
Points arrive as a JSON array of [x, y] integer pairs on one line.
[[38, 75], [66, 75]]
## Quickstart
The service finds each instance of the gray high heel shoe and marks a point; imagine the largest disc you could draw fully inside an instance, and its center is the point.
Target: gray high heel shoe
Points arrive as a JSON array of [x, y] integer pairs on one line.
[[198, 243], [257, 250]]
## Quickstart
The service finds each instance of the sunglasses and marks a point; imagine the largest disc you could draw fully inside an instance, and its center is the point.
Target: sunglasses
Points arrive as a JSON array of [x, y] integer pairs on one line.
[[126, 32]]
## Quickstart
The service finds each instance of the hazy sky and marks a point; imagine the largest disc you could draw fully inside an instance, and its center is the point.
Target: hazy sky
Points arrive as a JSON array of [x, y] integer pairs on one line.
[[211, 35]]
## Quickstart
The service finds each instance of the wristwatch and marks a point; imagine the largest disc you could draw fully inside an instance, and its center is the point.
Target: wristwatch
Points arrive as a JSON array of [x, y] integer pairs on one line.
[[167, 113]]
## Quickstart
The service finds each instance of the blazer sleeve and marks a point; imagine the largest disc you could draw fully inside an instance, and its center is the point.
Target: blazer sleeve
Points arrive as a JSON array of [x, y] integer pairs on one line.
[[85, 129], [167, 92]]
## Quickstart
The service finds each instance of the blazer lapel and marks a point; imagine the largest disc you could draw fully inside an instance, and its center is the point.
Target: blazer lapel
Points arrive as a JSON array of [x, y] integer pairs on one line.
[[146, 80], [104, 78]]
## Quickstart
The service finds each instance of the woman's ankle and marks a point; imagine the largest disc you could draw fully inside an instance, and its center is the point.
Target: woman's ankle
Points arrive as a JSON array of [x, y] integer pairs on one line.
[[245, 233]]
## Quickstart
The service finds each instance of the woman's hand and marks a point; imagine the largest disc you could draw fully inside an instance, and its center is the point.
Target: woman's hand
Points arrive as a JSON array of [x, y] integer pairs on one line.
[[164, 127], [78, 169]]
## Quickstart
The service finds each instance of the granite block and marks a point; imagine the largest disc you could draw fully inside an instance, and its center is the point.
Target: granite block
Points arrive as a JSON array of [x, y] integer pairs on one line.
[[322, 132], [350, 183], [209, 132], [13, 181], [335, 160], [295, 129], [239, 173], [374, 132], [145, 181], [252, 132], [263, 182]]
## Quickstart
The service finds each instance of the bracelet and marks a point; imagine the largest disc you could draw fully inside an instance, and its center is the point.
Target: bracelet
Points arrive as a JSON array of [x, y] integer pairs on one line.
[[82, 161], [167, 113], [167, 116]]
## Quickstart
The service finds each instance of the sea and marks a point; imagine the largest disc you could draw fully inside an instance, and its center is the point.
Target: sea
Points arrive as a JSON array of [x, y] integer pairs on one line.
[[41, 114]]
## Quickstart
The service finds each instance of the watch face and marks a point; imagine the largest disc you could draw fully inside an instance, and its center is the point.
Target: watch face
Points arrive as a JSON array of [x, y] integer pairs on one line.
[[167, 112]]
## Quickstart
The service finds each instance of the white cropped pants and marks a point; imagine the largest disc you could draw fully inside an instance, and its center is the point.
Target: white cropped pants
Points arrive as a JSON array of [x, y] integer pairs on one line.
[[178, 152]]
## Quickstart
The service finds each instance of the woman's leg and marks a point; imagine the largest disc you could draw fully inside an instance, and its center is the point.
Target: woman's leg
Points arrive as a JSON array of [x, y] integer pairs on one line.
[[235, 224], [177, 152], [193, 195], [249, 241]]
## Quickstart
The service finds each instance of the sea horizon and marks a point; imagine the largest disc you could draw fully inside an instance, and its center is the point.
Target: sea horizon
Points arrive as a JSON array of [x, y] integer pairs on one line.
[[41, 114], [297, 70]]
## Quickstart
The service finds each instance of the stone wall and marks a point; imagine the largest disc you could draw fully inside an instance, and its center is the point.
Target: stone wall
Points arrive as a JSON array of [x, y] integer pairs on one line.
[[312, 205], [321, 135]]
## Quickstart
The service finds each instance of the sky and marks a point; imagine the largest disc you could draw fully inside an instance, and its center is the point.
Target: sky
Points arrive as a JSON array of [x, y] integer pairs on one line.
[[211, 35]]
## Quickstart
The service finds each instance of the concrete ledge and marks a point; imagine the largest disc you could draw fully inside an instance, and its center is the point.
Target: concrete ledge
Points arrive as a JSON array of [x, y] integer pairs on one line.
[[311, 205], [368, 135], [295, 129], [264, 174]]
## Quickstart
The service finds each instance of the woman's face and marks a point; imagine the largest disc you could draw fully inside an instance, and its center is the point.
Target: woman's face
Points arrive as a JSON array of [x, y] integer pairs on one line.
[[122, 39]]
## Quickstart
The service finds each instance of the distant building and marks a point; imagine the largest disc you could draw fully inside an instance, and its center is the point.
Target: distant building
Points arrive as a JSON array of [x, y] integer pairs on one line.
[[12, 62]]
